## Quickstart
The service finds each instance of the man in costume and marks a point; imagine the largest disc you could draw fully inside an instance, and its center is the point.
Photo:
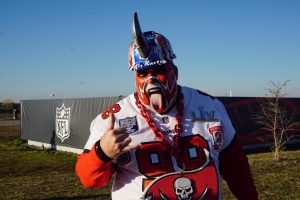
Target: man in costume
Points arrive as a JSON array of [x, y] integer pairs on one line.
[[166, 141]]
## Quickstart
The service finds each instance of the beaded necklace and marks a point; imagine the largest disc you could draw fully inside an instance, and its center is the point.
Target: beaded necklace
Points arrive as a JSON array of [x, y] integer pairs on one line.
[[172, 149]]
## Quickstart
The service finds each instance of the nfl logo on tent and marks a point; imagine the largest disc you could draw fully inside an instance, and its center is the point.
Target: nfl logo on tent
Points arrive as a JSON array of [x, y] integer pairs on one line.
[[62, 122]]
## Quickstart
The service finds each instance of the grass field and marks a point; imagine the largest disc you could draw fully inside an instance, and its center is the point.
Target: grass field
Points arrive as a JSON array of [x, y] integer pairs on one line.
[[27, 173]]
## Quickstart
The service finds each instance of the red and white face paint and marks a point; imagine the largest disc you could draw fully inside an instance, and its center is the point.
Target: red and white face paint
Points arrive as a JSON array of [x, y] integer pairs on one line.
[[157, 87]]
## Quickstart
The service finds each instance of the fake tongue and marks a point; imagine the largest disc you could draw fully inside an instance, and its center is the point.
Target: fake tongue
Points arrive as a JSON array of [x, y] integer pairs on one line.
[[156, 101]]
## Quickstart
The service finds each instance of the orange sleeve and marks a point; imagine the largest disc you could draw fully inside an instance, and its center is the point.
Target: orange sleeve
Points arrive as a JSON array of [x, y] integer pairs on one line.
[[92, 171]]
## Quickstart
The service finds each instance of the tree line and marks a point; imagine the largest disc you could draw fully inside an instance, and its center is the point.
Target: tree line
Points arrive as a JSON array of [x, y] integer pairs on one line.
[[7, 105]]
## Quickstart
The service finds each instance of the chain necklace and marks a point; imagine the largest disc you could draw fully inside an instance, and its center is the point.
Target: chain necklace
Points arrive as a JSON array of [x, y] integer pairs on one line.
[[172, 149]]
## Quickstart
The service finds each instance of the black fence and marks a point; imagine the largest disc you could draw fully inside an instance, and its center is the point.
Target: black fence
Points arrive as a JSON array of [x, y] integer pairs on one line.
[[242, 112]]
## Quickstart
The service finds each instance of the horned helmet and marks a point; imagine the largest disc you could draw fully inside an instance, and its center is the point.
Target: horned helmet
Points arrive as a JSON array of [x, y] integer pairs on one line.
[[151, 58]]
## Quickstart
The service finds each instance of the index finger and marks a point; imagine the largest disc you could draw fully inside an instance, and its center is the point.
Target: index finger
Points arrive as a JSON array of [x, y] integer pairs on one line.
[[111, 122]]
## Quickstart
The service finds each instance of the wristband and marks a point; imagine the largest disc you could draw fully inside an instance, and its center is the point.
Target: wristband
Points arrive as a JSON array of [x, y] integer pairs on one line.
[[101, 155]]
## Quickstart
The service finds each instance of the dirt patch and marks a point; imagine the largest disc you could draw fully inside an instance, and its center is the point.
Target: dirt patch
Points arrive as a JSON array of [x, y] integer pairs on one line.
[[9, 132]]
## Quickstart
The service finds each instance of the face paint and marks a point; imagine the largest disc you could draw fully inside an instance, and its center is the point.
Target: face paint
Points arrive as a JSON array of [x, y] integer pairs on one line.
[[157, 87], [151, 57]]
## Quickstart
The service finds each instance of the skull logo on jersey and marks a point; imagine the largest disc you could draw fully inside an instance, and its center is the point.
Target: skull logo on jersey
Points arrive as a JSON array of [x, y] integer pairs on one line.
[[185, 185], [183, 188], [198, 178]]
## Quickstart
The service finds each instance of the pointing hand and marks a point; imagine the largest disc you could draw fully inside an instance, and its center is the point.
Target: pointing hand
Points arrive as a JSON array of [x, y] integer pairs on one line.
[[115, 141]]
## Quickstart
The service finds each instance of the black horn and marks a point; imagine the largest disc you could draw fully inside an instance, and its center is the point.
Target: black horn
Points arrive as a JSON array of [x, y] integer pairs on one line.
[[142, 45]]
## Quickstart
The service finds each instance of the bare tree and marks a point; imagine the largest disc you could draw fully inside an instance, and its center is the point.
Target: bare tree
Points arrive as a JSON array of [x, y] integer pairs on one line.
[[276, 118], [8, 104]]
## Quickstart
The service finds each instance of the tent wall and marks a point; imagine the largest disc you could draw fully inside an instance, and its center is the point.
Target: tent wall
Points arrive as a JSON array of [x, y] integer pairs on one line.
[[40, 119]]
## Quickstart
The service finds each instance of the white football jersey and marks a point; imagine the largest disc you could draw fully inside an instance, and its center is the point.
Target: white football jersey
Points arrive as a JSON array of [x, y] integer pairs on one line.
[[150, 172]]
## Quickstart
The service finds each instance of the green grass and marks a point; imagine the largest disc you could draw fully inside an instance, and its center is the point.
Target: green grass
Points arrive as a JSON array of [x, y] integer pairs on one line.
[[274, 180], [39, 174], [27, 173]]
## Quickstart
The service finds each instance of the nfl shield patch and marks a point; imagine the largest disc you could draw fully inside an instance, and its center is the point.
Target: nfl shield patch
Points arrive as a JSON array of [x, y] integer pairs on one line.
[[62, 127], [130, 124]]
